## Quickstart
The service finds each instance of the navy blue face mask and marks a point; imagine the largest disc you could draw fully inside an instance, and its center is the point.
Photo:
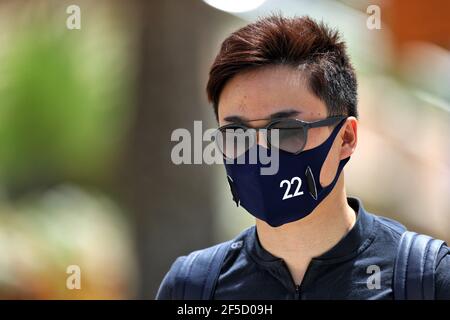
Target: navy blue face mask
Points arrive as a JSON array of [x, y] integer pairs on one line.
[[288, 195]]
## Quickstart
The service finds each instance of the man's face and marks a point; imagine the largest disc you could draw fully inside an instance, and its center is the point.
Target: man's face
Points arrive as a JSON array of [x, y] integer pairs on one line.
[[276, 92]]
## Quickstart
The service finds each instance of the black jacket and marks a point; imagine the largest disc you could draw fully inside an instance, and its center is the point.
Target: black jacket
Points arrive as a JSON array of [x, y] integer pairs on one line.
[[251, 272]]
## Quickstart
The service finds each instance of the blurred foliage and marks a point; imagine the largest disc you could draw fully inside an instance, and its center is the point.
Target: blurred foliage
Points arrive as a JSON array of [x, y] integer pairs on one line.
[[63, 115], [61, 104]]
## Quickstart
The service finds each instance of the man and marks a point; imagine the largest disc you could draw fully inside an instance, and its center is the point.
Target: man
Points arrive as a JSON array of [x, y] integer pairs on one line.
[[293, 77]]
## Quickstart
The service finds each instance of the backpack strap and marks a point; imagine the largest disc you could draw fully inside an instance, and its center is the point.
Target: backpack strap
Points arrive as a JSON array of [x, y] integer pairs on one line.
[[198, 274], [415, 267]]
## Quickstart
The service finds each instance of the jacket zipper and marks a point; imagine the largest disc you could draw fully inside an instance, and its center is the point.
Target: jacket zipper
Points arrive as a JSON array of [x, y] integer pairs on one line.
[[297, 292]]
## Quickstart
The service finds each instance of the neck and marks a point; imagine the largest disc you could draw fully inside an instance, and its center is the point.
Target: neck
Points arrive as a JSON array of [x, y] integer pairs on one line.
[[300, 241]]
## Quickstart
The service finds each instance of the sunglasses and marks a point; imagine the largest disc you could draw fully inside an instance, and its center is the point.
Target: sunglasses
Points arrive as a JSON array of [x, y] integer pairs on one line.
[[289, 135]]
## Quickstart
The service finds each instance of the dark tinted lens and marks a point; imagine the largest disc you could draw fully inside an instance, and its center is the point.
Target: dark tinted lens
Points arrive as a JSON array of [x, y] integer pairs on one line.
[[288, 135], [235, 141]]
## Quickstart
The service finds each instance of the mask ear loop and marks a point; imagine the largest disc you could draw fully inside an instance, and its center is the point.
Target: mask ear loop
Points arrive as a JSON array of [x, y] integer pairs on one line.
[[332, 137]]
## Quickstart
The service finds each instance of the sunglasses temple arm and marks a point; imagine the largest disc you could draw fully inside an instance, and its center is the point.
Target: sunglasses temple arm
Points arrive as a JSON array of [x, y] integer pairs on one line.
[[325, 122]]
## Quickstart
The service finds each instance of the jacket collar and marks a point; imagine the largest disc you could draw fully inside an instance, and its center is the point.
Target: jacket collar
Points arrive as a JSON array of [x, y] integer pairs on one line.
[[354, 242]]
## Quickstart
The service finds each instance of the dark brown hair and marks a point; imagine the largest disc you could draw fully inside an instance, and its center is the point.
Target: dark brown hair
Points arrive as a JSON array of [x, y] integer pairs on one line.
[[299, 42]]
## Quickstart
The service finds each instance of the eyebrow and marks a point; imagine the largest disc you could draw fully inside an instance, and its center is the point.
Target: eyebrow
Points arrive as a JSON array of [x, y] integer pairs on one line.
[[277, 115]]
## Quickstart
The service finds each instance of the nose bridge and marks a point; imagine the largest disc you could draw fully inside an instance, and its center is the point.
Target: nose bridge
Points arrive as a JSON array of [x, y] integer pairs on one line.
[[260, 132], [261, 139]]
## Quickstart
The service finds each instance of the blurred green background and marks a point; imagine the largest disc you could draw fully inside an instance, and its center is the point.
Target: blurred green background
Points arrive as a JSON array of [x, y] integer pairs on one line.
[[86, 117]]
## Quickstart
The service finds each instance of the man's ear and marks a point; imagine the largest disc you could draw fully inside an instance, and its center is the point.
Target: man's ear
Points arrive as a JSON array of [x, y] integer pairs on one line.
[[346, 142], [349, 136]]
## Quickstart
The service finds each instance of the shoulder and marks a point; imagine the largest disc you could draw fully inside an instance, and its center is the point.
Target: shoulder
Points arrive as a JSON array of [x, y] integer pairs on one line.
[[384, 239], [389, 227], [391, 231], [165, 291], [195, 266]]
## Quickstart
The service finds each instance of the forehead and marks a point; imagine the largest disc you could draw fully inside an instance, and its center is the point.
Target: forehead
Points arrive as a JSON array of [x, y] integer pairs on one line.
[[257, 94]]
